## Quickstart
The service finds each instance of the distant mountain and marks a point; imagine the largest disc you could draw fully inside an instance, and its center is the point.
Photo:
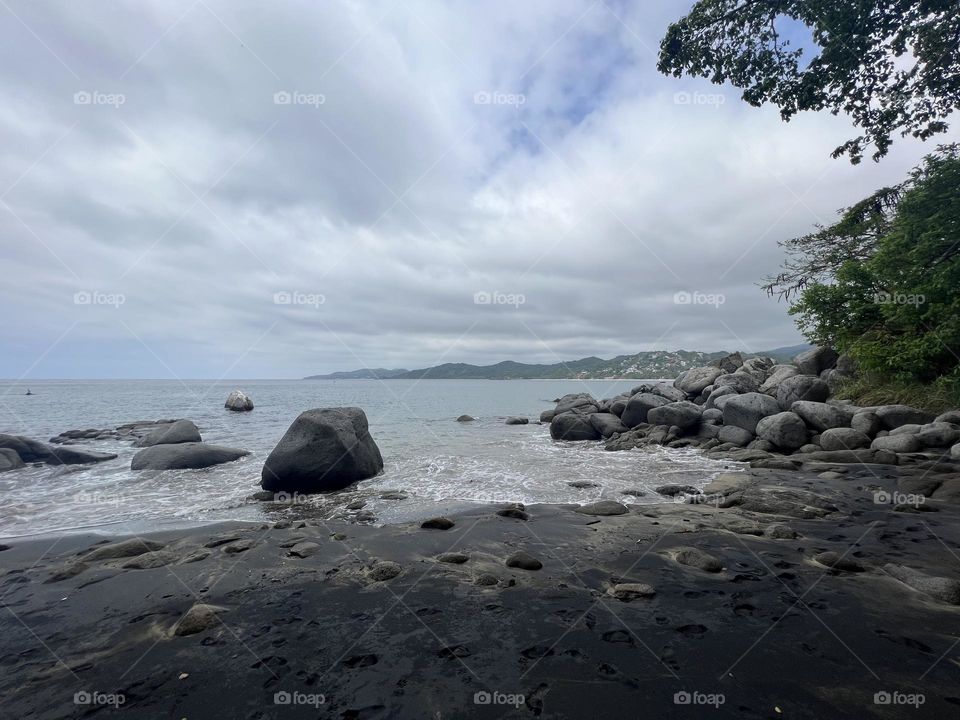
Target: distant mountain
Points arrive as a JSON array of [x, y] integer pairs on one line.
[[642, 365]]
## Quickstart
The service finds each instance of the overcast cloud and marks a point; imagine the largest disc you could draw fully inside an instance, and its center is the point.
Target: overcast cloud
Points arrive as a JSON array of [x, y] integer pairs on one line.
[[206, 189]]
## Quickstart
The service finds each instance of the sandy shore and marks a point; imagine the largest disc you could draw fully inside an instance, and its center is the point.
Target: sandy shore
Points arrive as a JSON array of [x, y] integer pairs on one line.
[[337, 633]]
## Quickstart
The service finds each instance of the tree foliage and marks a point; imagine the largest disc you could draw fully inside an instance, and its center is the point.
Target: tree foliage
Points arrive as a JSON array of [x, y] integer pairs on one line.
[[882, 283], [892, 65]]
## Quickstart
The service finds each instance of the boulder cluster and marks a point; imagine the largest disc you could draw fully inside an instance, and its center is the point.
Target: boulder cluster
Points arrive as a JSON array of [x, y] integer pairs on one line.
[[755, 410]]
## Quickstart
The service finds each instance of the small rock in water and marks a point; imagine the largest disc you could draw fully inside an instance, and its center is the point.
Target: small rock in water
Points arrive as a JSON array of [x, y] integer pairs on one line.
[[465, 418], [437, 523], [603, 507], [393, 495], [197, 619], [631, 591], [696, 558], [517, 421], [633, 492], [384, 570], [582, 484], [523, 561], [674, 490], [357, 505], [238, 402]]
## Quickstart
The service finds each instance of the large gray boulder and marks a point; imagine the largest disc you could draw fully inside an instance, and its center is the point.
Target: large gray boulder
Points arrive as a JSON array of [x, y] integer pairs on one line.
[[10, 459], [893, 416], [716, 394], [728, 363], [950, 416], [801, 387], [31, 451], [786, 430], [815, 360], [184, 456], [840, 438], [238, 402], [778, 373], [638, 406], [866, 422], [619, 404], [740, 381], [682, 414], [179, 432], [758, 367], [823, 416], [896, 443], [324, 449], [694, 380], [577, 401], [606, 424], [735, 435], [669, 392], [574, 425], [745, 411], [938, 434]]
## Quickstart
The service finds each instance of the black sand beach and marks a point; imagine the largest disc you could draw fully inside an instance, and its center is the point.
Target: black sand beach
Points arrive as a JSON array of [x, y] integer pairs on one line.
[[773, 634]]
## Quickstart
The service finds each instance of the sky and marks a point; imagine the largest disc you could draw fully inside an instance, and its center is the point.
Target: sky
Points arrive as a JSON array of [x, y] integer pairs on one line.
[[206, 189]]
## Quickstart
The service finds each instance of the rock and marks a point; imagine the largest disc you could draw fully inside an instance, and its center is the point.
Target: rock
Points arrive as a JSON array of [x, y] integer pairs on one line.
[[545, 417], [714, 416], [625, 592], [10, 459], [893, 416], [896, 443], [238, 546], [32, 451], [304, 549], [736, 435], [801, 387], [745, 411], [467, 418], [149, 560], [582, 484], [384, 570], [486, 580], [758, 367], [198, 618], [184, 456], [835, 561], [123, 549], [780, 531], [669, 392], [674, 490], [778, 374], [573, 426], [437, 523], [697, 558], [393, 495], [786, 502], [866, 422], [726, 483], [517, 421], [513, 513], [859, 456], [823, 416], [815, 360], [324, 449], [577, 401], [238, 402], [523, 561], [179, 432], [606, 424], [638, 406], [633, 492], [196, 556], [955, 451], [66, 572], [785, 430], [909, 429], [938, 434], [946, 590], [950, 416], [693, 381], [741, 382], [680, 414], [619, 404], [602, 507], [454, 558], [843, 439], [728, 363]]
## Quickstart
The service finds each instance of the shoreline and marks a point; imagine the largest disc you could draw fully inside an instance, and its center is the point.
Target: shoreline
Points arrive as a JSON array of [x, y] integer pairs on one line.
[[394, 632]]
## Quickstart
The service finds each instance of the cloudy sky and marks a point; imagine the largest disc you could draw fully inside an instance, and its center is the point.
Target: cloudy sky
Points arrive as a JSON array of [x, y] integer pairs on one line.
[[206, 189]]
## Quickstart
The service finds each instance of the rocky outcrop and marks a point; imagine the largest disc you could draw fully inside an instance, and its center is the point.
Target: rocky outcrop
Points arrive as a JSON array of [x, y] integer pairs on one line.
[[9, 459], [179, 432], [680, 414], [238, 402], [786, 430], [638, 406], [184, 456], [745, 411], [573, 426], [31, 451], [693, 381]]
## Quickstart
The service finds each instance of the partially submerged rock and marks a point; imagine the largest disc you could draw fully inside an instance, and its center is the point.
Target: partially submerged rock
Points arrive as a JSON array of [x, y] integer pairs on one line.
[[179, 432], [238, 402], [184, 456]]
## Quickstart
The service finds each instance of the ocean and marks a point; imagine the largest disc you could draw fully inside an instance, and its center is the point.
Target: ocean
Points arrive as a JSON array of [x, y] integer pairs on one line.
[[438, 463]]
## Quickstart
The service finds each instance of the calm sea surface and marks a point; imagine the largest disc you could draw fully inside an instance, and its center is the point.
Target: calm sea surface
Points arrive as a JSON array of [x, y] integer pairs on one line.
[[441, 464]]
